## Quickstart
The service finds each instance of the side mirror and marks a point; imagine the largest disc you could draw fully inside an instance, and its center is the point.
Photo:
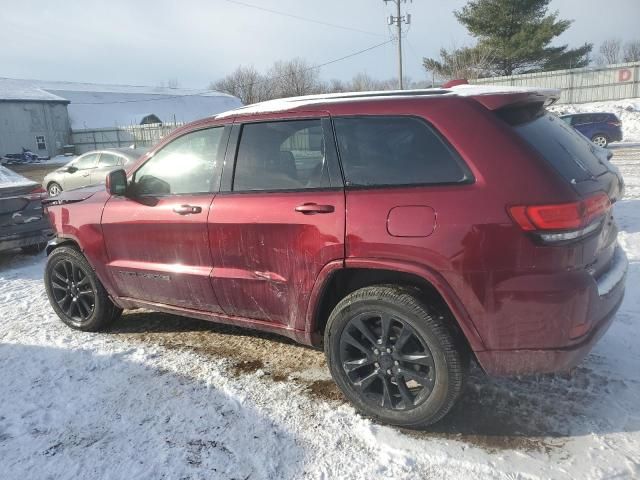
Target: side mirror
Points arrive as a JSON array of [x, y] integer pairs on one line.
[[117, 182], [72, 169]]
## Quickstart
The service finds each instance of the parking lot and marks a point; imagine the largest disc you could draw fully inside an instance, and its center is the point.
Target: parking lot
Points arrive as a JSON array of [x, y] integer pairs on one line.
[[161, 396]]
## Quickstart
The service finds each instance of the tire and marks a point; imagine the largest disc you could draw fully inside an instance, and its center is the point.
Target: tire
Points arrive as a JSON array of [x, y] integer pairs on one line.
[[425, 358], [34, 249], [54, 189], [81, 302], [600, 140]]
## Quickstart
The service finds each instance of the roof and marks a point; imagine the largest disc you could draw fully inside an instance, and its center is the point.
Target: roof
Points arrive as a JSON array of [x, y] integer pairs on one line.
[[285, 104], [19, 90], [94, 105]]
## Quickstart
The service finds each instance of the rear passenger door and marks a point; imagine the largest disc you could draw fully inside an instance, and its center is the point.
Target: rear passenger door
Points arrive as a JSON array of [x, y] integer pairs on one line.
[[278, 220]]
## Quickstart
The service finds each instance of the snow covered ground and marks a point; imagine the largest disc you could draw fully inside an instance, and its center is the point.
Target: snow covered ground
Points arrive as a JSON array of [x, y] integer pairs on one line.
[[628, 111], [164, 397]]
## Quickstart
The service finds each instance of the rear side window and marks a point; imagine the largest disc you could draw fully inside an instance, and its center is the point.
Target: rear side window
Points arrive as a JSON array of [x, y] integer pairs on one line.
[[284, 155], [570, 153], [395, 151]]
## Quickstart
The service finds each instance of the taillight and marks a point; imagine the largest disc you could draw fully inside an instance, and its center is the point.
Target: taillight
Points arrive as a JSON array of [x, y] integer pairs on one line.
[[567, 221], [615, 124]]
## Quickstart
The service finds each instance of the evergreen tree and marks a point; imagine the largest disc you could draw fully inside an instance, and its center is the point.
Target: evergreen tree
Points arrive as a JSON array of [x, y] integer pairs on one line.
[[519, 34]]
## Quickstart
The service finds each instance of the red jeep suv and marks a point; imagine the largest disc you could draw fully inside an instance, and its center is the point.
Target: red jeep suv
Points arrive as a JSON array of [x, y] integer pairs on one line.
[[405, 232]]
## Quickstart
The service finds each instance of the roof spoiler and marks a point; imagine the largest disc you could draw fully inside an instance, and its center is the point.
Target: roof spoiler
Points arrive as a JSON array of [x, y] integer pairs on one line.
[[495, 97]]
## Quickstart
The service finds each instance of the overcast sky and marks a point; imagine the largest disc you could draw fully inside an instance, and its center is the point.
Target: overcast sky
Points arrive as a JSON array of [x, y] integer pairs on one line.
[[146, 42]]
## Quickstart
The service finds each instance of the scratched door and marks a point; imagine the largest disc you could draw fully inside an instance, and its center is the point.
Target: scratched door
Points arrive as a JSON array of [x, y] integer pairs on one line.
[[280, 221]]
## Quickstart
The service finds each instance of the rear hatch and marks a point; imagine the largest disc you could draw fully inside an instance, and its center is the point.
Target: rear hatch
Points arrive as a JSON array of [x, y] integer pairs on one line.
[[20, 204], [583, 165], [586, 167]]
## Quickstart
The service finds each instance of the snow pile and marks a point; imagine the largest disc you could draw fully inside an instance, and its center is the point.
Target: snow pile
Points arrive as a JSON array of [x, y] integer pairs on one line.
[[11, 178], [628, 111]]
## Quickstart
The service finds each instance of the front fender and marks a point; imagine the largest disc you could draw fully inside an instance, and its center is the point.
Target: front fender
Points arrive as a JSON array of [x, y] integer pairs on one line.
[[56, 242]]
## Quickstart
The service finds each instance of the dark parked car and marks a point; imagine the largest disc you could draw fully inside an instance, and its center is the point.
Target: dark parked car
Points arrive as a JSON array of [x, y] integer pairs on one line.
[[89, 169], [405, 232], [600, 128], [23, 223]]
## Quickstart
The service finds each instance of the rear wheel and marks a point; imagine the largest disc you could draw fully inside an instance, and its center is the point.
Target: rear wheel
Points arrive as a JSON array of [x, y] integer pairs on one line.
[[54, 189], [600, 140], [75, 293], [394, 357]]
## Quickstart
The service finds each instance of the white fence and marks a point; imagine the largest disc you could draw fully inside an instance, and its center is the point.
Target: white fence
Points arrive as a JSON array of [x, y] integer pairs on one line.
[[115, 137], [580, 85]]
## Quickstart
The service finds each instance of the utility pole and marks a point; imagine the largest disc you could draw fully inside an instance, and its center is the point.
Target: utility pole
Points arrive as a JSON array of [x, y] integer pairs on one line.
[[398, 20]]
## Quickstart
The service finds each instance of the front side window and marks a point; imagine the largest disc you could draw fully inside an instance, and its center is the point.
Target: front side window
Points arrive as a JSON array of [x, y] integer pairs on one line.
[[187, 165], [395, 151], [109, 160], [86, 161], [285, 155]]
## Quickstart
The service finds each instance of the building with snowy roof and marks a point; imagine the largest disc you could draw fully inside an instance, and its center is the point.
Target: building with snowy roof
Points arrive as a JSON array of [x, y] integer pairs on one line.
[[42, 115]]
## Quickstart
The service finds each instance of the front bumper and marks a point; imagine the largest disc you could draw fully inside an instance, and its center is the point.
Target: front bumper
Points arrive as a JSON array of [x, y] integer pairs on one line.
[[25, 239], [602, 310]]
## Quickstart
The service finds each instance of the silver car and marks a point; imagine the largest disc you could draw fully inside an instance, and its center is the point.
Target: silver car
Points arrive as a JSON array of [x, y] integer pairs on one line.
[[89, 169]]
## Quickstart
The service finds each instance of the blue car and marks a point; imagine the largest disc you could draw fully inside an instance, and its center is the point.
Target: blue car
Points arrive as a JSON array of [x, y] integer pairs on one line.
[[600, 128]]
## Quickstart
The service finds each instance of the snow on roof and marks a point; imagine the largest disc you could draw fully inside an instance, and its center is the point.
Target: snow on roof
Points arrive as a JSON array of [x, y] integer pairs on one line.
[[473, 90], [283, 104], [109, 109], [19, 90], [102, 106]]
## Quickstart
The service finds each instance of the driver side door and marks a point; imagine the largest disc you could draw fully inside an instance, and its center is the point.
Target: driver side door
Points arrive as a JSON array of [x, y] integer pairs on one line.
[[80, 174], [156, 236]]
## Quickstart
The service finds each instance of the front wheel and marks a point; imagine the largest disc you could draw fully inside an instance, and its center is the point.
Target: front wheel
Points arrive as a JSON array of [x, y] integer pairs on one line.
[[75, 293], [394, 357], [600, 140], [54, 189]]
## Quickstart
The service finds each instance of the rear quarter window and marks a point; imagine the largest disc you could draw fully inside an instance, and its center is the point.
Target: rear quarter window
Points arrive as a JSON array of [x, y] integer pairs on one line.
[[384, 150]]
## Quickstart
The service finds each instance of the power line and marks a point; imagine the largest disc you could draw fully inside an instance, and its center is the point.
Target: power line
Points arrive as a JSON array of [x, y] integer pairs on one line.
[[314, 67], [305, 19]]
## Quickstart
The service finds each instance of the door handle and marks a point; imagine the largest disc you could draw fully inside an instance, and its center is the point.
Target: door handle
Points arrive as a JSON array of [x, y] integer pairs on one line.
[[313, 208], [187, 209]]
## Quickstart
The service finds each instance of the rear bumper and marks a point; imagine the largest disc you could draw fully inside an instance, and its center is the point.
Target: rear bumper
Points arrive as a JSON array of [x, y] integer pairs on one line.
[[616, 135], [25, 239], [608, 296]]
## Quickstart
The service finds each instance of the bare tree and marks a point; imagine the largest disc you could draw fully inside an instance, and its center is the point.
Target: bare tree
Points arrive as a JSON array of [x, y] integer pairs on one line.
[[464, 62], [632, 51], [609, 52], [293, 78], [336, 86], [246, 83]]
